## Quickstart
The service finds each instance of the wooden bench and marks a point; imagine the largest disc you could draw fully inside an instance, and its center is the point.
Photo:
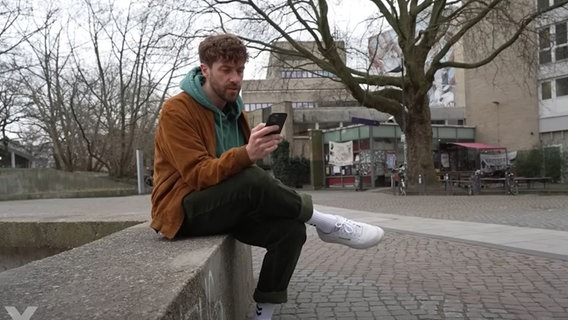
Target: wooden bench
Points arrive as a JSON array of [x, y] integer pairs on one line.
[[530, 180]]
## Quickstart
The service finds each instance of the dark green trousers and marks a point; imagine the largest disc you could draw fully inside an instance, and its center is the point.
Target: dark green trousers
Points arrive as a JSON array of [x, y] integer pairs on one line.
[[257, 210]]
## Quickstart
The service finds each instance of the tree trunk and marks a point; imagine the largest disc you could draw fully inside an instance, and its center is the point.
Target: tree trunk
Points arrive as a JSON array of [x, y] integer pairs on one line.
[[418, 130]]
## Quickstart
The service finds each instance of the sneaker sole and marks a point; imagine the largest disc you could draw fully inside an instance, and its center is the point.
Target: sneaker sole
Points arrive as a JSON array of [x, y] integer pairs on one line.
[[345, 242]]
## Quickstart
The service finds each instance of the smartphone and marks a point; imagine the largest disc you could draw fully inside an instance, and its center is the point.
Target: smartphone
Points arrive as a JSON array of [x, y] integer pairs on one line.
[[277, 118]]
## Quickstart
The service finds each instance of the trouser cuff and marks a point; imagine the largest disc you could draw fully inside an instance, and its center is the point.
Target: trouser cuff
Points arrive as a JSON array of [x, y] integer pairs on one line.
[[307, 209], [276, 297]]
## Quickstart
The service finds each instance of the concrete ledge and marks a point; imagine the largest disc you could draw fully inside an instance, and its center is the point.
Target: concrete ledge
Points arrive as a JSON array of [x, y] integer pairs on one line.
[[135, 274], [88, 193], [57, 234], [37, 183], [23, 241]]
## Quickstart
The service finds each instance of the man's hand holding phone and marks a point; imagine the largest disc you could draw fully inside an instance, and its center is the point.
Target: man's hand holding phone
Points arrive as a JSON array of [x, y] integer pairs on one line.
[[278, 118], [265, 137]]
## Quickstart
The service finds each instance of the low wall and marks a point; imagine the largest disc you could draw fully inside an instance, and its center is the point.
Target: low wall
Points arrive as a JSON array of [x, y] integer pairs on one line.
[[23, 242], [135, 274], [17, 184]]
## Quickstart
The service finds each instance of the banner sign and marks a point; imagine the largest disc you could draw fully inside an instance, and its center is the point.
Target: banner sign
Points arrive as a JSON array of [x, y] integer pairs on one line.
[[341, 153], [445, 160], [493, 162]]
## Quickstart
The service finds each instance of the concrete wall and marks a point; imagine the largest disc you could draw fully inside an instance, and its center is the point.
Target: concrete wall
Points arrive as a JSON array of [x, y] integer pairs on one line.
[[18, 184], [316, 90], [135, 274], [22, 242], [502, 109]]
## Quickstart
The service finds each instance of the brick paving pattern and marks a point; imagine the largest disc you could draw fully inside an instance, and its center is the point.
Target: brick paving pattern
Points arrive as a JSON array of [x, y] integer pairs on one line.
[[410, 276], [534, 211]]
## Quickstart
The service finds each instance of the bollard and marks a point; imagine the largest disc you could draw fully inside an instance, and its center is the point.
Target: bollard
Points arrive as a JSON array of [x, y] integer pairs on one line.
[[140, 171], [392, 184]]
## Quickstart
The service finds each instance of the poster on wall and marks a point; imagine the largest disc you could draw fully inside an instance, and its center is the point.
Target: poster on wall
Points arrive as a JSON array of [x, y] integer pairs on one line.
[[391, 161], [341, 153], [445, 160]]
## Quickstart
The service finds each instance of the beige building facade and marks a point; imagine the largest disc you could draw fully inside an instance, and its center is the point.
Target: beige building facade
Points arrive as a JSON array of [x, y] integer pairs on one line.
[[502, 105]]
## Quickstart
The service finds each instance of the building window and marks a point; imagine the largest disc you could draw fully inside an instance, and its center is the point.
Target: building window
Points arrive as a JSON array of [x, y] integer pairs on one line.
[[297, 74], [545, 4], [545, 90], [256, 106], [562, 87], [322, 74], [303, 104], [288, 74], [553, 43], [544, 46], [561, 41]]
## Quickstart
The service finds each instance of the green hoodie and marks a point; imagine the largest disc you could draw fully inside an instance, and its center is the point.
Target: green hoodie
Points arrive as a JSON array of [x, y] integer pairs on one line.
[[226, 124]]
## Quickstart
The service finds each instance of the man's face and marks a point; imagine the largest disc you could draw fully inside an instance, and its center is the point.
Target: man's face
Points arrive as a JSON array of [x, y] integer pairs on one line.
[[223, 80]]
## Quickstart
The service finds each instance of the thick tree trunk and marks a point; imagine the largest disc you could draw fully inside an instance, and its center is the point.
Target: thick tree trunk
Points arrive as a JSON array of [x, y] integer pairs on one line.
[[418, 130]]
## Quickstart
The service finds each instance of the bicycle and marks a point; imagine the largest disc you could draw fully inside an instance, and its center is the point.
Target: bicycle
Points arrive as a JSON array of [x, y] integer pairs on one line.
[[511, 184], [475, 183]]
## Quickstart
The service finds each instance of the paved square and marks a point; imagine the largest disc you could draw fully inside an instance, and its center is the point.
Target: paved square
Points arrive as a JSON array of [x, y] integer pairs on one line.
[[419, 276]]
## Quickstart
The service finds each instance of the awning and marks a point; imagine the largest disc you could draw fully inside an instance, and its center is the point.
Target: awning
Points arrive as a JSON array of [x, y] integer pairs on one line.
[[478, 146]]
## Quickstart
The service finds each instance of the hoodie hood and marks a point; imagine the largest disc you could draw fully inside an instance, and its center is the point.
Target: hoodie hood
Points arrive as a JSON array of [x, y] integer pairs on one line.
[[226, 121]]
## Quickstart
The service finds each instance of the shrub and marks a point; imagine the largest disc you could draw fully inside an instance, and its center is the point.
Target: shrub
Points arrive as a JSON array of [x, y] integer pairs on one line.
[[552, 163], [528, 163], [293, 172], [537, 162]]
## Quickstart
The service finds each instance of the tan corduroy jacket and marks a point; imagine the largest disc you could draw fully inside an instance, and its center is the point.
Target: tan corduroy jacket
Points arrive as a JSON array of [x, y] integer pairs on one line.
[[185, 161]]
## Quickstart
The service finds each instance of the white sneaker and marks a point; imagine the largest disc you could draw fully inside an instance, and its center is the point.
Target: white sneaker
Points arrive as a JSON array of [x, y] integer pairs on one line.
[[357, 235]]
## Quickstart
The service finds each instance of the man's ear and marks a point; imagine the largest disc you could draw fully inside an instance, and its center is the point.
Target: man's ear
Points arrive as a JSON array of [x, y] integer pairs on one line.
[[204, 69]]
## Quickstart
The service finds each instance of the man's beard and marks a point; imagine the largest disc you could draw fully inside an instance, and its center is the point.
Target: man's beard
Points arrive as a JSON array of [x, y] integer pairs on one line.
[[223, 93]]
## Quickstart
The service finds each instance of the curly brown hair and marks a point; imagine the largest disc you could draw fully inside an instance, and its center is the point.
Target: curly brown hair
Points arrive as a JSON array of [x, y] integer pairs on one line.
[[226, 47]]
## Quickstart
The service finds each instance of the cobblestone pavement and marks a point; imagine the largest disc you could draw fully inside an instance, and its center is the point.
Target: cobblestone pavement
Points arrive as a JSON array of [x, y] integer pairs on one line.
[[530, 210], [409, 276]]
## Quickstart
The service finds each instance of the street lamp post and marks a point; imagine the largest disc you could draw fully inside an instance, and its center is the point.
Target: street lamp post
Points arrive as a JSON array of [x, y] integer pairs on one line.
[[497, 103]]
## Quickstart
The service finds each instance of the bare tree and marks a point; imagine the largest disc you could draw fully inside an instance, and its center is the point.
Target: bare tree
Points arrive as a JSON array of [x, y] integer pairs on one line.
[[13, 34], [424, 32], [135, 59], [96, 80], [10, 108], [49, 85]]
